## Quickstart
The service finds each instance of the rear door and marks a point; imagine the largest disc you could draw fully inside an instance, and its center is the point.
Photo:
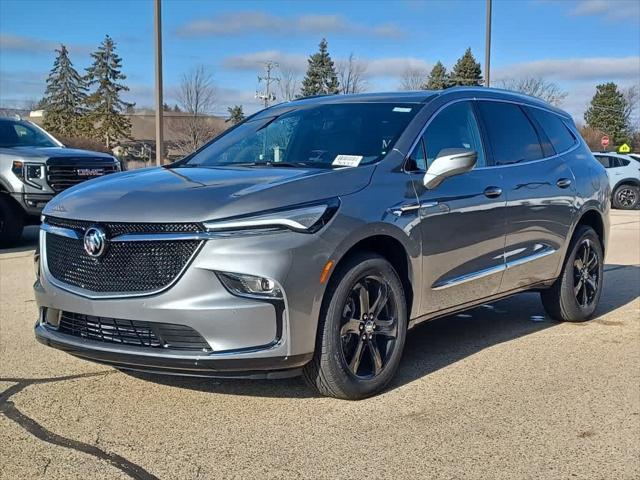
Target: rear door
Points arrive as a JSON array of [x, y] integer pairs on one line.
[[539, 188], [462, 220]]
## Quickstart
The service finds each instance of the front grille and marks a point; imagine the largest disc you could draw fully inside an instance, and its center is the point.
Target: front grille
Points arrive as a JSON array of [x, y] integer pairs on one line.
[[63, 173], [132, 332], [121, 228], [135, 267]]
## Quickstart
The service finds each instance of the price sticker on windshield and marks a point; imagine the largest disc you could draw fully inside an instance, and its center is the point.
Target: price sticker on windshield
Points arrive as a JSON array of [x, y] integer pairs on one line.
[[347, 160]]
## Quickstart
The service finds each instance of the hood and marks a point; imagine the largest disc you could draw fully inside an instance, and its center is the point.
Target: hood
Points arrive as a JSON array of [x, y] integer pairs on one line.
[[51, 152], [200, 194]]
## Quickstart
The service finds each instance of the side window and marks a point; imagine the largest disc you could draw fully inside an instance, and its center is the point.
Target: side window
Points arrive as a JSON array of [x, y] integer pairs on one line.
[[417, 160], [511, 135], [453, 127], [561, 137], [604, 161]]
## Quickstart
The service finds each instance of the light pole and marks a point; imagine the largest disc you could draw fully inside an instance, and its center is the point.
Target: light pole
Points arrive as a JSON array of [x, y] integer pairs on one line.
[[159, 102], [487, 48]]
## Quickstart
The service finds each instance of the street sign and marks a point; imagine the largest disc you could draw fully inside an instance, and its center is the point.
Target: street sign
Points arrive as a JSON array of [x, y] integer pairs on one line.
[[624, 148], [604, 141]]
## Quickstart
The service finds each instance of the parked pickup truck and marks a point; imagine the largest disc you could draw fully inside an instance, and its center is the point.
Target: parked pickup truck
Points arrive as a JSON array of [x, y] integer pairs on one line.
[[34, 167]]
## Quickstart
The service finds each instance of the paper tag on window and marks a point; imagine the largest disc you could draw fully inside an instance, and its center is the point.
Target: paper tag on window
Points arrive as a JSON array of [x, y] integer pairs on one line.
[[347, 160], [402, 109]]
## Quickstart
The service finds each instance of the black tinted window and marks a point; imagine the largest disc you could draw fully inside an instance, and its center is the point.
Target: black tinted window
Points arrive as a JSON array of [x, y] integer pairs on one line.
[[560, 136], [605, 161], [453, 127], [511, 135]]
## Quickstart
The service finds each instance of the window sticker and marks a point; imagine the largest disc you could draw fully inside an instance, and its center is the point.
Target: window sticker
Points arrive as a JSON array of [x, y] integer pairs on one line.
[[402, 109], [347, 160]]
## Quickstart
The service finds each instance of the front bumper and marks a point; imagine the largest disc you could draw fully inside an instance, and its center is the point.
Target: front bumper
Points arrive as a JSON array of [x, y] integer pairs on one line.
[[32, 203], [172, 362], [248, 337]]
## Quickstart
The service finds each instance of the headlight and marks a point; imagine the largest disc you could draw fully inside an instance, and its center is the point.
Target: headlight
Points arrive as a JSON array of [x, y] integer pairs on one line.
[[27, 172], [304, 219], [250, 285]]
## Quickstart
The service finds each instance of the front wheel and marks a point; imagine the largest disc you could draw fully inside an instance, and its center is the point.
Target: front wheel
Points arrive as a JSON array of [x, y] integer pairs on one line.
[[361, 332], [626, 197], [575, 294], [11, 221]]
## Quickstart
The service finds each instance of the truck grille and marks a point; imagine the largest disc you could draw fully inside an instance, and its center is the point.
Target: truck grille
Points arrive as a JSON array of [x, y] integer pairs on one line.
[[126, 267], [132, 332], [63, 173]]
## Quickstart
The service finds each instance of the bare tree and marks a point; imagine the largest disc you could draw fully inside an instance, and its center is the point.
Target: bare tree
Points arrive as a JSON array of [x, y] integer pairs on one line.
[[413, 78], [288, 84], [196, 97], [536, 87], [631, 96], [351, 75]]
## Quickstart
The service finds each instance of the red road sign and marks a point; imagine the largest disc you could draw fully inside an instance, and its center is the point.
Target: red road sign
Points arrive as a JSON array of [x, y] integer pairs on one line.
[[605, 141]]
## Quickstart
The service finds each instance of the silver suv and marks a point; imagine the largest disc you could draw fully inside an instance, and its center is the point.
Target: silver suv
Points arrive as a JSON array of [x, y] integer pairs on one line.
[[311, 237], [34, 166]]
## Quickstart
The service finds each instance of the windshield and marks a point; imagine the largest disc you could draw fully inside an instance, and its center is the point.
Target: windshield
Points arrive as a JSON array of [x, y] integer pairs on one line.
[[20, 134], [325, 136]]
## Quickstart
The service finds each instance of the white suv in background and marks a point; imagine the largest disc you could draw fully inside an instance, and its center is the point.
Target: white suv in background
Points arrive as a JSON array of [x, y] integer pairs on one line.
[[624, 178]]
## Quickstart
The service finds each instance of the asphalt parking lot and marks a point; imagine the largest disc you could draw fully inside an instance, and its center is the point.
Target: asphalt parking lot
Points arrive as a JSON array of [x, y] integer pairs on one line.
[[497, 392]]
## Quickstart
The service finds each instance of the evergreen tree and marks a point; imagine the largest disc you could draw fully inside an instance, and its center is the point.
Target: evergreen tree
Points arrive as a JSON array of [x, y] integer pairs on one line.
[[105, 105], [321, 78], [64, 97], [438, 78], [236, 115], [607, 113], [467, 71]]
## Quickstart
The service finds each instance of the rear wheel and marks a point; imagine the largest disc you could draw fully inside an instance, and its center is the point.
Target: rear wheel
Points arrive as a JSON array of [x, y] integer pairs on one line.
[[361, 332], [626, 197], [11, 221], [575, 294]]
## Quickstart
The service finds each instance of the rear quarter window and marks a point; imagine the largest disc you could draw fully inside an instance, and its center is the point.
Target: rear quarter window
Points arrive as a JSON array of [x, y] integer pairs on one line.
[[512, 137], [560, 136]]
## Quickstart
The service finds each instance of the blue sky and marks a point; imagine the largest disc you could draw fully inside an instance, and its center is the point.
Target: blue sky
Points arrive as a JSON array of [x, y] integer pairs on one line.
[[575, 43]]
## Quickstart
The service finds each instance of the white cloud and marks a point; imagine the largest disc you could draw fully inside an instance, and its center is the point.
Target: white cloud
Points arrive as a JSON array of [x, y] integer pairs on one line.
[[379, 67], [247, 22], [595, 68], [628, 10], [22, 44]]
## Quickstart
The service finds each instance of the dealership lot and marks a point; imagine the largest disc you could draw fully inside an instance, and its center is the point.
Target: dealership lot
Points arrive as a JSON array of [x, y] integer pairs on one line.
[[499, 391]]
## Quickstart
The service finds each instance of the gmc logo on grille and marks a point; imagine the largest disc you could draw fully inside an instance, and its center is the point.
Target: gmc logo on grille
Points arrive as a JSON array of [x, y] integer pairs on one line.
[[90, 172]]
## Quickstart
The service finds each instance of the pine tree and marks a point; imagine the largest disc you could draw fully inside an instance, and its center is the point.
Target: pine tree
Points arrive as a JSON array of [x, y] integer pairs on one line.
[[64, 97], [607, 113], [466, 71], [236, 115], [438, 78], [105, 105], [321, 78]]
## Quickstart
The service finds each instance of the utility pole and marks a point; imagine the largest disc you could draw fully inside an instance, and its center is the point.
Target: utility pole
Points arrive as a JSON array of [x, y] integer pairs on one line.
[[159, 102], [487, 48], [267, 96]]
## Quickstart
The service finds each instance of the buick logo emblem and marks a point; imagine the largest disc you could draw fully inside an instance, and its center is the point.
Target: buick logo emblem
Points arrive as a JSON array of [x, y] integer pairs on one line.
[[95, 242]]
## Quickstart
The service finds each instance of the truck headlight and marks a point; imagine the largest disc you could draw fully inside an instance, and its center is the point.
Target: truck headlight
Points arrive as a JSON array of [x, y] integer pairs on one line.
[[308, 218], [250, 286]]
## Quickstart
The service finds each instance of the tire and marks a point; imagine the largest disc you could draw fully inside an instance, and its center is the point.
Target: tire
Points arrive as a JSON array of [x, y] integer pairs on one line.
[[377, 340], [11, 221], [626, 197], [573, 298]]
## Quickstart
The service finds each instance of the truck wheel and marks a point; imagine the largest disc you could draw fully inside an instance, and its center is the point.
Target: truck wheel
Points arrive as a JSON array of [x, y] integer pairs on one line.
[[361, 332], [11, 221], [626, 197], [575, 294]]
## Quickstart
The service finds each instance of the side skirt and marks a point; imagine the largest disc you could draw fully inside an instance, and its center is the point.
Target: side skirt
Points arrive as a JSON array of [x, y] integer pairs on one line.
[[466, 306]]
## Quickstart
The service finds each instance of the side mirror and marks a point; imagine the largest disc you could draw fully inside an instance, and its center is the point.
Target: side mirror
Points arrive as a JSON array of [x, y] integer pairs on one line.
[[449, 162]]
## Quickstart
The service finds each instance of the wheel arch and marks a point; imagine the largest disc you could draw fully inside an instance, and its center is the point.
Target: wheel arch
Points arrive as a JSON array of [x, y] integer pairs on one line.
[[594, 219], [626, 181], [395, 251]]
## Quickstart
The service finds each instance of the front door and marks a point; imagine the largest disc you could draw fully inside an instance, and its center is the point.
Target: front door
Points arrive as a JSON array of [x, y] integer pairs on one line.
[[462, 220]]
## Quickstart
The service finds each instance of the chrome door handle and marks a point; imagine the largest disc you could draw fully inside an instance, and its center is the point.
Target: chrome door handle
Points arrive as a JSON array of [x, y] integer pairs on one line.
[[409, 207], [563, 182], [492, 192]]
